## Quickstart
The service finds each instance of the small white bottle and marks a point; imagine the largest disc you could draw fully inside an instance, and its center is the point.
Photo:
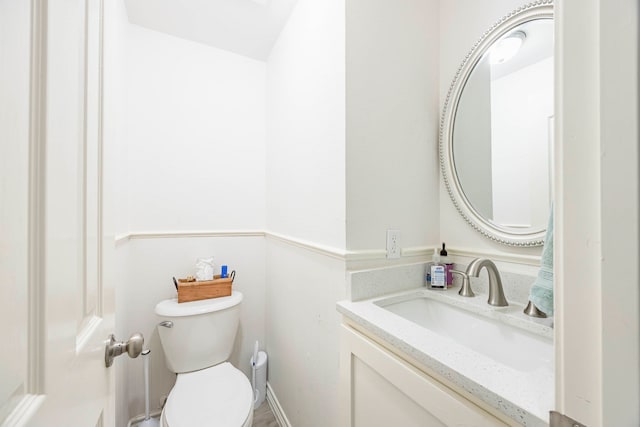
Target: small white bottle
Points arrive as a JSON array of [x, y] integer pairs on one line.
[[438, 272]]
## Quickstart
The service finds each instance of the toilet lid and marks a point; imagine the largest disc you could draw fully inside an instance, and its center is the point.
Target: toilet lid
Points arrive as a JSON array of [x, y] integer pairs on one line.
[[220, 396]]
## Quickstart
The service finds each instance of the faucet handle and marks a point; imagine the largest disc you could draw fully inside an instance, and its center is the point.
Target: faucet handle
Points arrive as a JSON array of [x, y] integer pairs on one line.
[[465, 289], [533, 311]]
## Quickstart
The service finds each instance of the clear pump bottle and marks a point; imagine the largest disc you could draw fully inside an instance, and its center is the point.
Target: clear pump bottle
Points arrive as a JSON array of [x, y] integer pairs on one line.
[[436, 273]]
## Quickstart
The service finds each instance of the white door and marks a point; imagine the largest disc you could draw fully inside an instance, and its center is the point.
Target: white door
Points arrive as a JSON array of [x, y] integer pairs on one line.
[[56, 299]]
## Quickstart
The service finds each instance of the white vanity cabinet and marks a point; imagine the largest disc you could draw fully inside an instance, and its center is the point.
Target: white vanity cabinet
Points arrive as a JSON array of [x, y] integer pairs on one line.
[[381, 389]]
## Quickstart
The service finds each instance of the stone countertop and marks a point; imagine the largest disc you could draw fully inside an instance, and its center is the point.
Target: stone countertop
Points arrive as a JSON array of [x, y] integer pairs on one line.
[[525, 397]]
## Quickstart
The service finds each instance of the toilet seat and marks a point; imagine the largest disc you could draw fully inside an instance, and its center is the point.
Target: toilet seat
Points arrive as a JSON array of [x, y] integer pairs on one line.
[[219, 396]]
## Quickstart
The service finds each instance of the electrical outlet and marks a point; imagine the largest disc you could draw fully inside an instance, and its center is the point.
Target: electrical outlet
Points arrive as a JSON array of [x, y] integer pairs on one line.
[[393, 244]]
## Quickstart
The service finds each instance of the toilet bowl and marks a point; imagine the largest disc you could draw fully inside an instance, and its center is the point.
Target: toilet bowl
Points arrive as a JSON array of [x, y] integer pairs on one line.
[[197, 338], [216, 396]]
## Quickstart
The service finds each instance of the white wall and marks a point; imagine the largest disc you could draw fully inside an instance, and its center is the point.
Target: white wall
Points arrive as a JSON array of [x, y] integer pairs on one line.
[[306, 126], [339, 176], [306, 201], [392, 122], [196, 126], [462, 23], [302, 332], [191, 148]]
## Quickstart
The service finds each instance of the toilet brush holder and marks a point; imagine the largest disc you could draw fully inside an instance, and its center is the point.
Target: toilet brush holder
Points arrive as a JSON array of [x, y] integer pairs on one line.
[[259, 377], [142, 421]]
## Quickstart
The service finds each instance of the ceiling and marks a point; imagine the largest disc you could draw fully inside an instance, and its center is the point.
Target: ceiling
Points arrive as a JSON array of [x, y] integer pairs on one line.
[[245, 27]]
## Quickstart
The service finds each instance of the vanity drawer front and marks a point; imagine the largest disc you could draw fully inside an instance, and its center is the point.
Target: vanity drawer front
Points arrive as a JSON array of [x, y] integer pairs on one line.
[[380, 389]]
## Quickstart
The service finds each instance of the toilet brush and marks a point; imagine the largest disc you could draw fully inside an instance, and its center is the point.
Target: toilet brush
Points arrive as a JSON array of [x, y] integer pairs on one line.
[[148, 421]]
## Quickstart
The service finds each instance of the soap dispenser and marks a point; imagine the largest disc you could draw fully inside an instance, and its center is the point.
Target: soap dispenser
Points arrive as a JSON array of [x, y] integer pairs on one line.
[[448, 265], [438, 273], [435, 259]]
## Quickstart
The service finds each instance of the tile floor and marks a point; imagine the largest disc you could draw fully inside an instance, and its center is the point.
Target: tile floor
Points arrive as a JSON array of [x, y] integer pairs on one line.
[[263, 417]]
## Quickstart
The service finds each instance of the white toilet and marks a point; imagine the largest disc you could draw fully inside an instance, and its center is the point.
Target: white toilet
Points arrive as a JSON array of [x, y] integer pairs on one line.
[[197, 338]]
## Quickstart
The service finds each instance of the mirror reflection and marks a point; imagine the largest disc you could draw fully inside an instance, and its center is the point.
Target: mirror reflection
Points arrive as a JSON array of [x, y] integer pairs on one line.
[[503, 129]]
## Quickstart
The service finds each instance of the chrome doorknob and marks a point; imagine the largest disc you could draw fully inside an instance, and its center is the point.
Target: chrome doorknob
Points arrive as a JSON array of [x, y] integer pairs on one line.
[[133, 347]]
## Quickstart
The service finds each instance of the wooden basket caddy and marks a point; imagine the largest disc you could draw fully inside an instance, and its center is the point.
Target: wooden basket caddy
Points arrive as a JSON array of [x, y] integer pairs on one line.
[[195, 291]]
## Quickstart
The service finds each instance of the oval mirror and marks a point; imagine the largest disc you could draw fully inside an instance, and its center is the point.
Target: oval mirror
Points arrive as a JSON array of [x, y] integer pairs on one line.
[[496, 133]]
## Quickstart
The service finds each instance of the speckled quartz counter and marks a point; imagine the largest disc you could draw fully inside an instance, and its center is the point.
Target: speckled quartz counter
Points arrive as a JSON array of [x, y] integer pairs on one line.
[[525, 396]]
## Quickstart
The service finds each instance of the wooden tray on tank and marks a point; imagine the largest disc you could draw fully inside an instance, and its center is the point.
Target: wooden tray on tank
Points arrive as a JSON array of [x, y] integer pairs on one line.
[[206, 289]]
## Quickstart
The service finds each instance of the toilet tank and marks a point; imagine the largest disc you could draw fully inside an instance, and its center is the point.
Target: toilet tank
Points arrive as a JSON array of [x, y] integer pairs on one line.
[[202, 334]]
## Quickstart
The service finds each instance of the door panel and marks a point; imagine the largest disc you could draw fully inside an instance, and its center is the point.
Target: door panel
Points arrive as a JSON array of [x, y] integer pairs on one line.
[[69, 302], [14, 208]]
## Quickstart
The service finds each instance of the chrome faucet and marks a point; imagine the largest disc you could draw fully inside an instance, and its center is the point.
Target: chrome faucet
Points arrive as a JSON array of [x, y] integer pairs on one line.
[[496, 293]]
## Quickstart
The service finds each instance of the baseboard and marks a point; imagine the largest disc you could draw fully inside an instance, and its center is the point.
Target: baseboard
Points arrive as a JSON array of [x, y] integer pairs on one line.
[[272, 400]]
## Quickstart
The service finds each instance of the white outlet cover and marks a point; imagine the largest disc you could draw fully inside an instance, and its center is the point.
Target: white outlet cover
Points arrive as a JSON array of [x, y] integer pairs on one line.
[[393, 244]]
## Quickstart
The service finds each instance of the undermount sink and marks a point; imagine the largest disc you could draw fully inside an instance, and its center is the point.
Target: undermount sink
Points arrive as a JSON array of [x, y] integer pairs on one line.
[[506, 344]]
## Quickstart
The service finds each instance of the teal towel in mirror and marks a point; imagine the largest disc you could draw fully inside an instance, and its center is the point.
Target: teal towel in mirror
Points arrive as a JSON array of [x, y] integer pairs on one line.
[[541, 294]]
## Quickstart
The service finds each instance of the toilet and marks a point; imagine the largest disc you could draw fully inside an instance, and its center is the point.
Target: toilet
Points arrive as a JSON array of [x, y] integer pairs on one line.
[[197, 338]]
